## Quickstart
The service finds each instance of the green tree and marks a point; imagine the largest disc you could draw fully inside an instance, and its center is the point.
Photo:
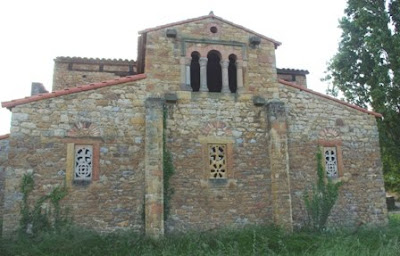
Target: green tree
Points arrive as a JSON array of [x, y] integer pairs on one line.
[[366, 70]]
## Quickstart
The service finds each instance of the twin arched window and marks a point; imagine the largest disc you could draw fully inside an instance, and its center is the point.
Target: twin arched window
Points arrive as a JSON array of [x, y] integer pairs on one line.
[[214, 72]]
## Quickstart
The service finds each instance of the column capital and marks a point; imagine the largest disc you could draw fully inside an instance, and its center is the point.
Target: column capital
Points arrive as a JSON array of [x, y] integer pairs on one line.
[[224, 63], [203, 61], [225, 76], [154, 102]]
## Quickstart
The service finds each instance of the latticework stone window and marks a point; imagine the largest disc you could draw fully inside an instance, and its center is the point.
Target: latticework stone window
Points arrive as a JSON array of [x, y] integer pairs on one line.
[[83, 162], [217, 161], [331, 163]]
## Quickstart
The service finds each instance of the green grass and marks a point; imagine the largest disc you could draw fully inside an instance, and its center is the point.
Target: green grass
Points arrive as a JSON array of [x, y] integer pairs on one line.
[[248, 241]]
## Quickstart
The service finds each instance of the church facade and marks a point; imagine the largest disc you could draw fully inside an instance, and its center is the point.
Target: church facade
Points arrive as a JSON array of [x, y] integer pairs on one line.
[[241, 134]]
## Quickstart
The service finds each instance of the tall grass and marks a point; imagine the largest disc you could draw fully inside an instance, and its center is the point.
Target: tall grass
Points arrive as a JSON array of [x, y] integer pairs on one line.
[[248, 241]]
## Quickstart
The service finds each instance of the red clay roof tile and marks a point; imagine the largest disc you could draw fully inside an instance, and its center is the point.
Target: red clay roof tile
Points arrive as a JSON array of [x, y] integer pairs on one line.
[[5, 136], [92, 86], [329, 98]]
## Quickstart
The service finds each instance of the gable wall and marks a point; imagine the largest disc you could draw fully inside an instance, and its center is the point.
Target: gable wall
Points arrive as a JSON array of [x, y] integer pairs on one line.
[[40, 132], [313, 121], [164, 56]]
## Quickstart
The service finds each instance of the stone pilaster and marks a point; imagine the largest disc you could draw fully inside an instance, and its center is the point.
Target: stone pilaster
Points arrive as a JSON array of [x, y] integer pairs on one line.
[[203, 74], [279, 164], [188, 62], [239, 77], [185, 85], [154, 199], [225, 76]]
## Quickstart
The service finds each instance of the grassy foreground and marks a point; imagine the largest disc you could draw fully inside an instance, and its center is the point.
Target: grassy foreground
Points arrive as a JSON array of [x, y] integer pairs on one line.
[[249, 241]]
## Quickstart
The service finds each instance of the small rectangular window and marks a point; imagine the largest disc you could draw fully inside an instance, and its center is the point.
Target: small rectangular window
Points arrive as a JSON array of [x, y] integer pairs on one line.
[[217, 161], [331, 163], [83, 162]]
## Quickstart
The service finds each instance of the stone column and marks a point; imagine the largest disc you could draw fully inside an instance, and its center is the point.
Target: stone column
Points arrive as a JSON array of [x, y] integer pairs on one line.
[[225, 77], [182, 63], [279, 164], [239, 76], [188, 62], [203, 74], [154, 196]]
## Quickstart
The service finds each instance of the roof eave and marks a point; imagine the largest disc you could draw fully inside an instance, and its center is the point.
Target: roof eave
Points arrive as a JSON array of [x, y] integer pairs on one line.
[[87, 87], [4, 137], [373, 113]]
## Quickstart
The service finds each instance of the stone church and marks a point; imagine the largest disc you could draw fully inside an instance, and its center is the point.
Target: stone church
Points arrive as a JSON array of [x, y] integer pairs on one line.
[[242, 135]]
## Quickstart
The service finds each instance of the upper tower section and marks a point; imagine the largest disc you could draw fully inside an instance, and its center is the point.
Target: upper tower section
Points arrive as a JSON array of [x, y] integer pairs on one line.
[[208, 54], [70, 72]]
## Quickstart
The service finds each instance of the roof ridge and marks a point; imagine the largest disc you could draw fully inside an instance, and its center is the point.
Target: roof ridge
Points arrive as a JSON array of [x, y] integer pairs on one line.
[[376, 114], [305, 71], [213, 16], [88, 59], [80, 88]]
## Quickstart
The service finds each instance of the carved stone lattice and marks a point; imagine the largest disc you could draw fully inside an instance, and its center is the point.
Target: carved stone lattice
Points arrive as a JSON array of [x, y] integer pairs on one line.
[[217, 155], [331, 162], [329, 133], [83, 162]]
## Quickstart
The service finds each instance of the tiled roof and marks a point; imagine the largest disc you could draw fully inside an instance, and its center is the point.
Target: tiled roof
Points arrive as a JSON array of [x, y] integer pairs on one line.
[[93, 60], [212, 16], [5, 136], [329, 98], [82, 88], [292, 71]]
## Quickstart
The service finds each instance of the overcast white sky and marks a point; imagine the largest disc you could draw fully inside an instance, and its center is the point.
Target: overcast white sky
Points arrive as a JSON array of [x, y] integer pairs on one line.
[[34, 32]]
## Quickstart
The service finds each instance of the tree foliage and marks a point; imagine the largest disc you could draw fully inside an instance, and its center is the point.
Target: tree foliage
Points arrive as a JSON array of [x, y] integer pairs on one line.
[[366, 70]]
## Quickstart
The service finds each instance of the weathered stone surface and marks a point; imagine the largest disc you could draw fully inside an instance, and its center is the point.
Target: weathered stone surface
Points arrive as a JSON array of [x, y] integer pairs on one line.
[[4, 148], [311, 123], [269, 152]]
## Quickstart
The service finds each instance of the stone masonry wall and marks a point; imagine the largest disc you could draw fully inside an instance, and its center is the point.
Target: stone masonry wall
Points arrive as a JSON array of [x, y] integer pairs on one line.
[[40, 131], [126, 131], [314, 121], [163, 55], [71, 72], [202, 203], [3, 160], [298, 79]]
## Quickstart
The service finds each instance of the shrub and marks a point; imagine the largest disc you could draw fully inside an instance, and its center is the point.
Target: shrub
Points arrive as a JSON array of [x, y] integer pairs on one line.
[[320, 201], [39, 219]]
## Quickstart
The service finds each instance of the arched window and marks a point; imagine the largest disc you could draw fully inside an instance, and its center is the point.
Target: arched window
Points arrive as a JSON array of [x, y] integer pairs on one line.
[[214, 74], [195, 72], [232, 71]]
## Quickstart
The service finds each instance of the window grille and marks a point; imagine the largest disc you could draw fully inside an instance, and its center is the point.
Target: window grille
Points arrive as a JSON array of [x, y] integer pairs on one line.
[[83, 162], [331, 165], [217, 156]]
